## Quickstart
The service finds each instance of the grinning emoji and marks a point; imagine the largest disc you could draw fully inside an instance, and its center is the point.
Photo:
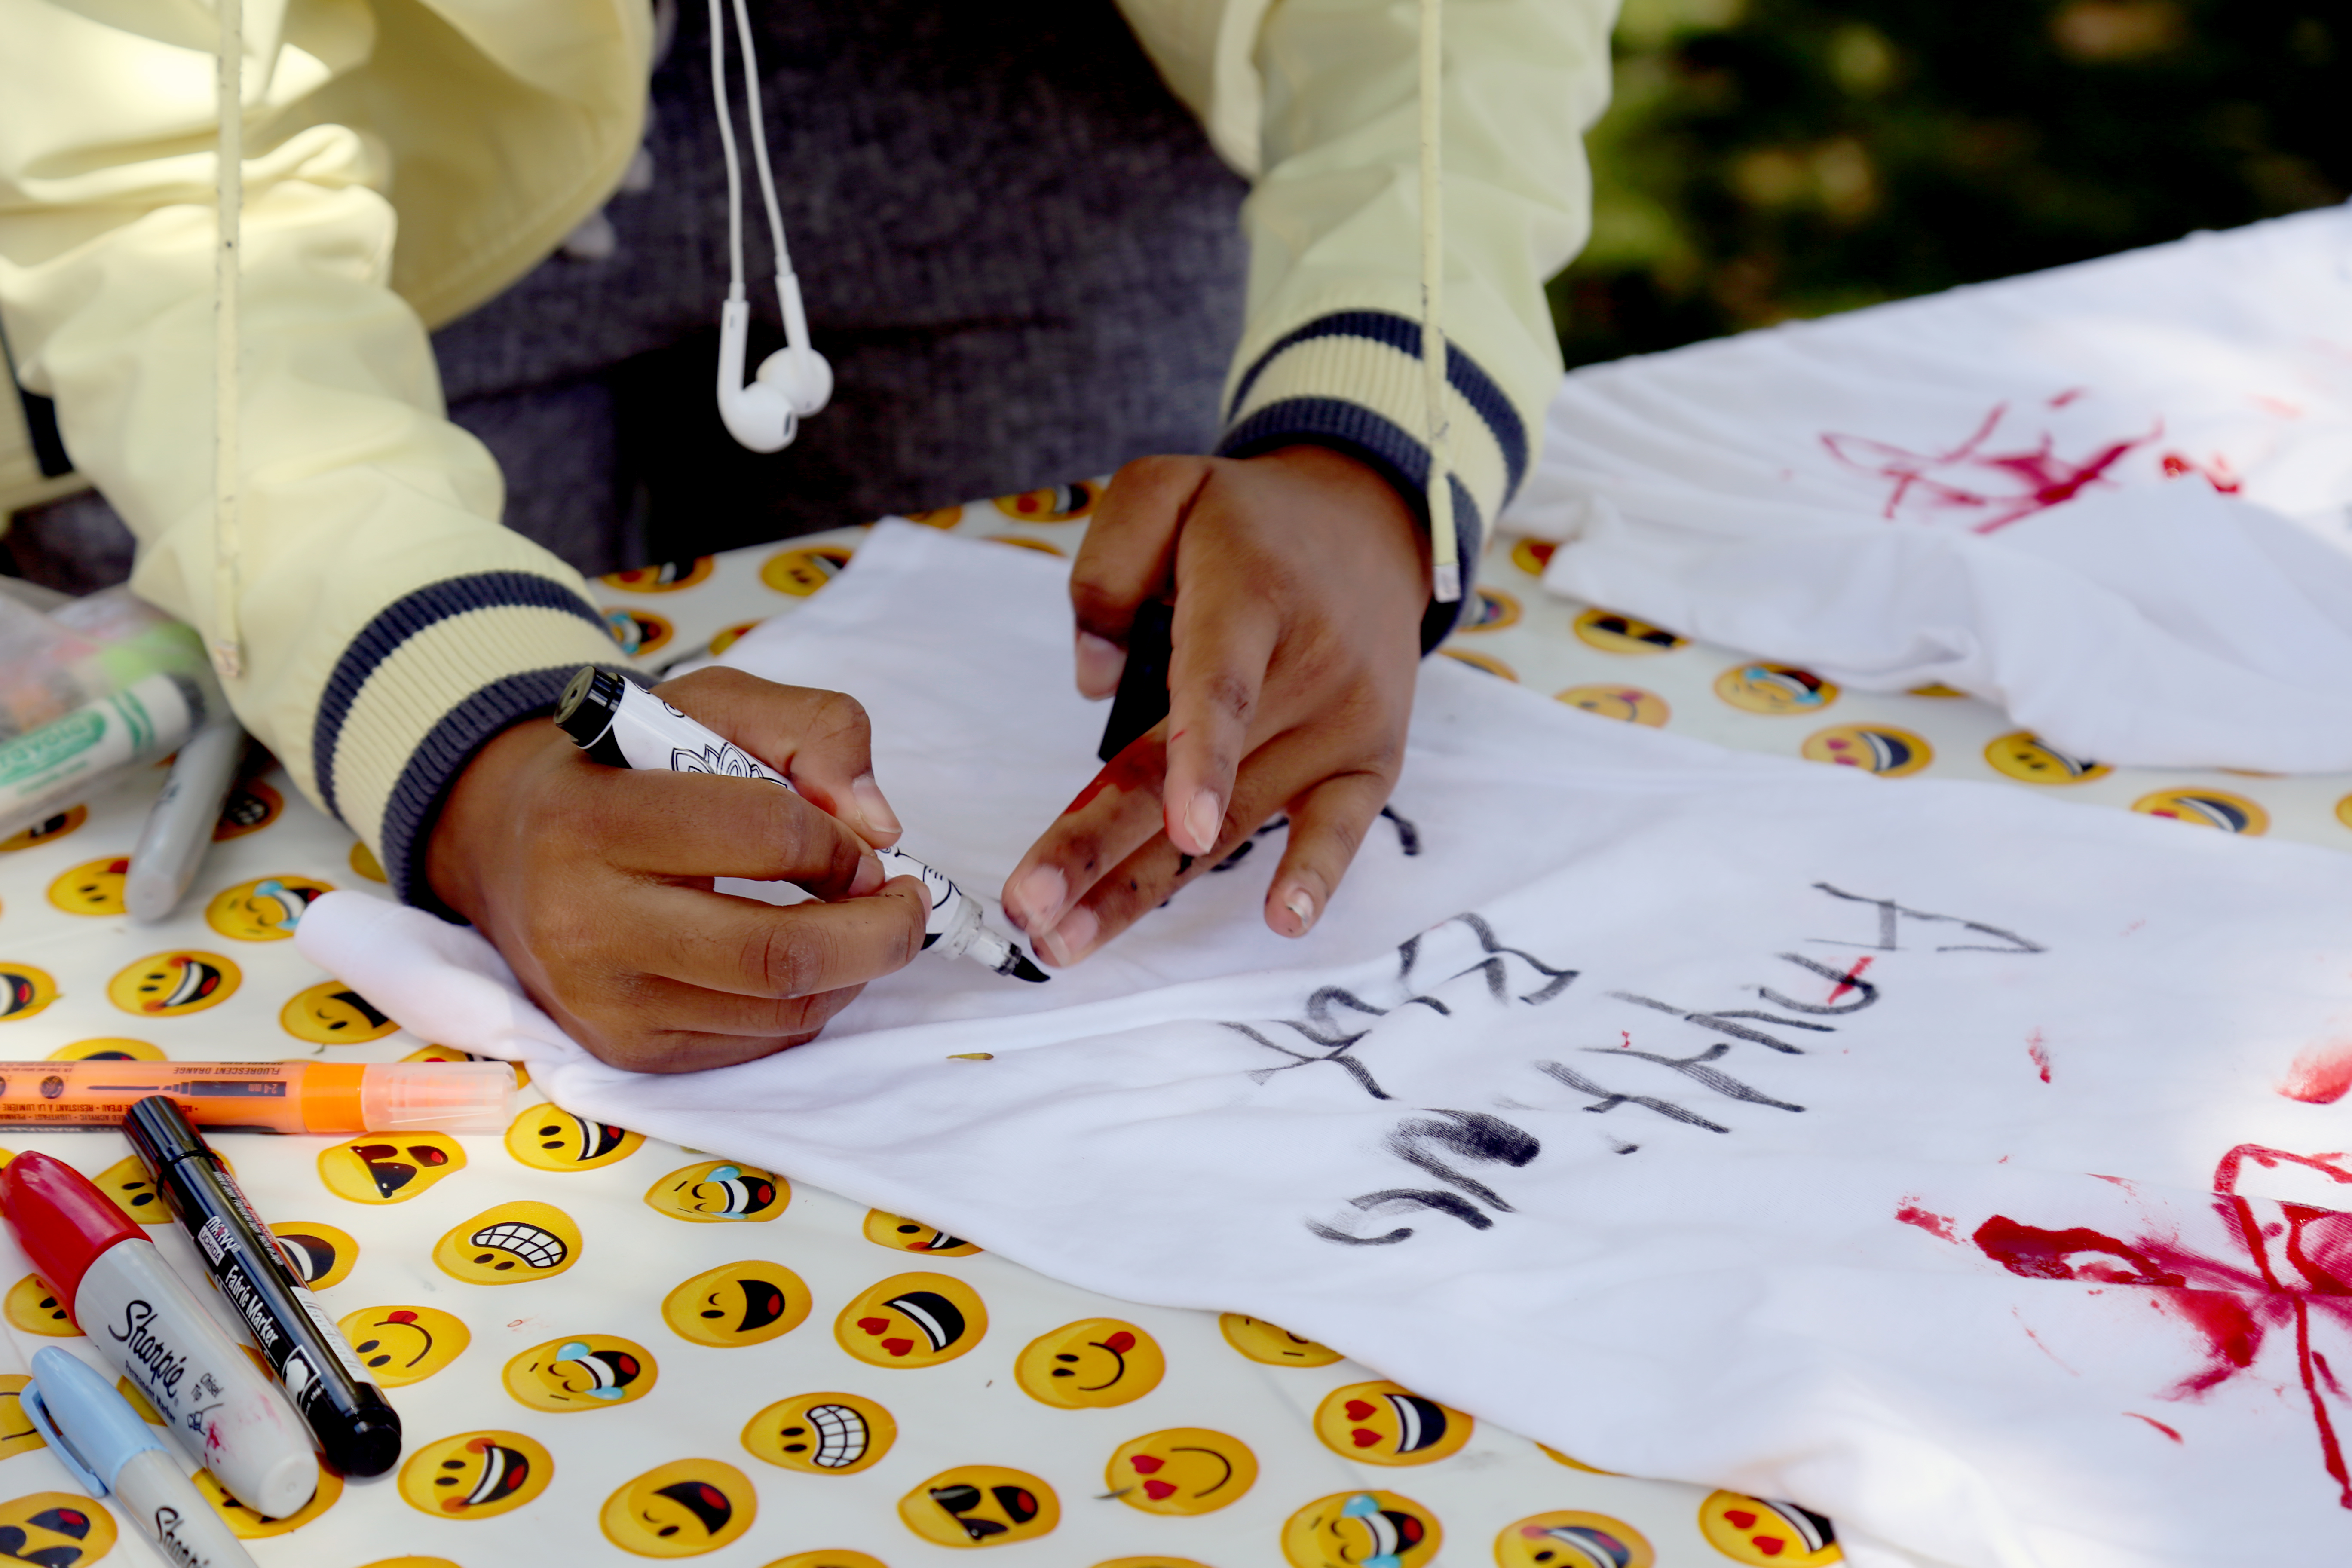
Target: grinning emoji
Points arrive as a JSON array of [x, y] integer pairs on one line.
[[133, 1190], [903, 1235], [17, 1434], [1879, 749], [2022, 754], [247, 1523], [547, 1139], [509, 1244], [32, 1306], [400, 1345], [842, 1557], [167, 984], [735, 1304], [1612, 633], [107, 1050], [1777, 689], [251, 807], [1090, 1366], [1055, 503], [265, 910], [800, 572], [377, 1170], [319, 1254], [475, 1475], [93, 889], [594, 1371], [1626, 704], [1263, 1342], [668, 577], [1382, 1424], [24, 991], [331, 1014], [1355, 1530], [912, 1320], [823, 1433], [980, 1505], [1184, 1471], [1763, 1534], [47, 829], [57, 1530], [2207, 808], [718, 1191], [1568, 1538], [683, 1509]]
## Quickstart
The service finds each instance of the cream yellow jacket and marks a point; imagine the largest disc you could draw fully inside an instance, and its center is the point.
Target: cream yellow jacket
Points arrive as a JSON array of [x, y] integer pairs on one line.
[[406, 159]]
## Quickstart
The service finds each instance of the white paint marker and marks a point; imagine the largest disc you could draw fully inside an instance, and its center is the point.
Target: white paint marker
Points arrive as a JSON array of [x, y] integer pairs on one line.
[[180, 825], [622, 725]]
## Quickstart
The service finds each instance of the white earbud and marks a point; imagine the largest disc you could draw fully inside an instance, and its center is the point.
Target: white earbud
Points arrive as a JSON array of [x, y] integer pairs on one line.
[[795, 381]]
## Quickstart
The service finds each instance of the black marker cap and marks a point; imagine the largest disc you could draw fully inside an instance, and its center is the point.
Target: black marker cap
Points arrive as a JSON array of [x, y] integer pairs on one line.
[[586, 709], [162, 1136], [1142, 699]]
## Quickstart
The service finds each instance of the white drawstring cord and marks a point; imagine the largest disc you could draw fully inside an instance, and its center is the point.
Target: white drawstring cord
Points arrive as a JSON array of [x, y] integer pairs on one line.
[[1445, 550], [227, 642]]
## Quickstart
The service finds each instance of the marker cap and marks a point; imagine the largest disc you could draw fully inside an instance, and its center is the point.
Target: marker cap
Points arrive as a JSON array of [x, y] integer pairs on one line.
[[420, 1097], [105, 1431], [63, 1220]]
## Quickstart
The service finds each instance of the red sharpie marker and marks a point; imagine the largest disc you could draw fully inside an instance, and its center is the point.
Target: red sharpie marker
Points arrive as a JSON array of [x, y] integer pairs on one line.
[[214, 1401]]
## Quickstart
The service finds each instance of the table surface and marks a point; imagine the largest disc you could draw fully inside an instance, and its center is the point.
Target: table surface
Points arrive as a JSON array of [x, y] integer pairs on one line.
[[773, 1419]]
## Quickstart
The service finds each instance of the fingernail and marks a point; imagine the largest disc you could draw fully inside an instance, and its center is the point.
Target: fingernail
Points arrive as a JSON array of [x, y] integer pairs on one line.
[[1068, 942], [1299, 904], [869, 876], [872, 809], [1201, 820], [1036, 898], [1100, 663]]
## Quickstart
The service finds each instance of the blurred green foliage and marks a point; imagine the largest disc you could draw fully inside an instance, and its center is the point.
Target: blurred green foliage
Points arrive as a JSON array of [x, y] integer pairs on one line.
[[1769, 159]]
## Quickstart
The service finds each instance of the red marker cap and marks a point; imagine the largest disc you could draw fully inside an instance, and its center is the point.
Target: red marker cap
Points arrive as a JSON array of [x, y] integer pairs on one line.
[[63, 1220]]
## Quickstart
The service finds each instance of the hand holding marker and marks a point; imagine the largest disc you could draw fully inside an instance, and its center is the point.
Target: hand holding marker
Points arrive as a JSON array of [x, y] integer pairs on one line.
[[622, 725]]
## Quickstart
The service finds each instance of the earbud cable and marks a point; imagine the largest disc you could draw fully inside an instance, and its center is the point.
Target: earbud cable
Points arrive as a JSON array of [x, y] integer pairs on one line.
[[719, 99]]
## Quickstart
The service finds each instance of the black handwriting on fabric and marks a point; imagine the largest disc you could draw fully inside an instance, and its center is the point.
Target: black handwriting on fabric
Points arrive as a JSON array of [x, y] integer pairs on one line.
[[1471, 1136], [1891, 914], [1696, 1068], [1491, 966], [1606, 1099]]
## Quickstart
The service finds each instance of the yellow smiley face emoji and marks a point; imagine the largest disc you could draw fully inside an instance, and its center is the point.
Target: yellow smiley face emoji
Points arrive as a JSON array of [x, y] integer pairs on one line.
[[912, 1320], [107, 1050], [17, 1434], [1626, 704], [133, 1190], [800, 572], [1055, 503], [683, 1509], [319, 1254], [980, 1505], [475, 1475], [32, 1306], [1775, 690], [1569, 1538], [587, 1372], [2207, 808], [547, 1139], [1491, 611], [1090, 1366], [2025, 756], [1263, 1342], [745, 1303], [400, 1345], [24, 991], [1763, 1534], [668, 577], [1382, 1424], [1879, 749], [900, 1234], [1348, 1529], [821, 1433], [246, 1524], [94, 887], [719, 1190], [1181, 1471], [509, 1244], [331, 1014], [383, 1169], [265, 910], [168, 985], [61, 1528], [47, 829], [1612, 633]]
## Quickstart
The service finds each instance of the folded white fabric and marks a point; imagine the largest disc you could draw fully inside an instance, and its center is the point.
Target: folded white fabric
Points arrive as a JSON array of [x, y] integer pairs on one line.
[[2111, 498], [1702, 1115]]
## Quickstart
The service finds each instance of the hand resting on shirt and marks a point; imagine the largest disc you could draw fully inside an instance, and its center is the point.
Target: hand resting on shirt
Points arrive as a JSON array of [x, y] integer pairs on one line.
[[595, 882]]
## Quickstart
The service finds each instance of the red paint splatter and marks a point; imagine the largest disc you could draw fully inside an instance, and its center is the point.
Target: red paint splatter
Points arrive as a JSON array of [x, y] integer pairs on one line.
[[1939, 1225], [2278, 405], [2039, 1052], [2322, 1074], [2068, 396], [1624, 1041], [2013, 484], [2154, 1422], [2215, 473], [1852, 975], [2133, 927], [2044, 1349]]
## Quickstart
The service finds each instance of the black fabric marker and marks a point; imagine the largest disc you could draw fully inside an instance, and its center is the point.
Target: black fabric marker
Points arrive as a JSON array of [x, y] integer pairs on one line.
[[1142, 699], [357, 1429]]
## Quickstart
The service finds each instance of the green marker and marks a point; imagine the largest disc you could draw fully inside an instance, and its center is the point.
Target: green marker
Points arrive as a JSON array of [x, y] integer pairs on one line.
[[46, 770]]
